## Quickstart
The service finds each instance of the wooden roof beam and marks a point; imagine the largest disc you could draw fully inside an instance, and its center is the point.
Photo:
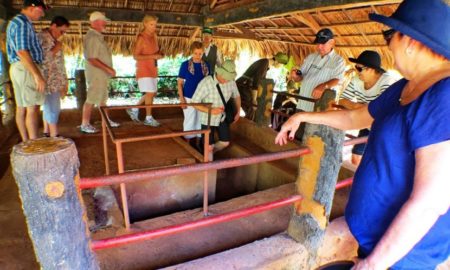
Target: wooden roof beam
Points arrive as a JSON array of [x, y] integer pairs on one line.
[[223, 34], [357, 26], [194, 34], [213, 4], [124, 15], [273, 8], [308, 20], [297, 28], [245, 31]]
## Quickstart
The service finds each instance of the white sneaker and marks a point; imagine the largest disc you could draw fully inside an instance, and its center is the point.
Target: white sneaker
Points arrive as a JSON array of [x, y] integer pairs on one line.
[[88, 129], [113, 124], [151, 122], [134, 114]]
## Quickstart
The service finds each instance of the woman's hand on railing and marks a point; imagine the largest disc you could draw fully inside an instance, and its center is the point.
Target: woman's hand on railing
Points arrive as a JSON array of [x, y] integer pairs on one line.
[[183, 100]]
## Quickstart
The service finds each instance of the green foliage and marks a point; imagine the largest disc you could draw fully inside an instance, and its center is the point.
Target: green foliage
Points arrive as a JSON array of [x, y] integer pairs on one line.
[[125, 67]]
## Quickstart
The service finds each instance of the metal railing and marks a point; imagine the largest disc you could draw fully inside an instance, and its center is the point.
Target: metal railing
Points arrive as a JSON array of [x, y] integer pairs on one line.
[[166, 84], [106, 128], [122, 178], [207, 221]]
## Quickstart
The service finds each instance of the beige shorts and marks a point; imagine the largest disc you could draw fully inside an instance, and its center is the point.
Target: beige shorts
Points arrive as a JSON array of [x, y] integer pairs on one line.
[[97, 90], [25, 92]]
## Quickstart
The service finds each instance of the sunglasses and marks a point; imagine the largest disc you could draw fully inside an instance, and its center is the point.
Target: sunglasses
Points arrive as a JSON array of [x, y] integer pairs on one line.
[[360, 69], [388, 35]]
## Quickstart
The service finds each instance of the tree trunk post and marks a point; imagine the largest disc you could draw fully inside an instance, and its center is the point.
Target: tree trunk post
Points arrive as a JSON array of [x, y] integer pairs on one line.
[[264, 101], [46, 172], [80, 88], [316, 183]]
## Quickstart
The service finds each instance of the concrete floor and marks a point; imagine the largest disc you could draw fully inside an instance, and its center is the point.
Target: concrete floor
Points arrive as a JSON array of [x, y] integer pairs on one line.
[[16, 248]]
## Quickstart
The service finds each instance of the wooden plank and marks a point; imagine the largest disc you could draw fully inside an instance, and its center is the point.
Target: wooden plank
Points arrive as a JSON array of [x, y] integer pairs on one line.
[[213, 4], [272, 8], [122, 15]]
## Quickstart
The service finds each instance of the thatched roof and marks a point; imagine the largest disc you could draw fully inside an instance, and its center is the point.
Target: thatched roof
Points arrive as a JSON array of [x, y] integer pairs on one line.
[[238, 24]]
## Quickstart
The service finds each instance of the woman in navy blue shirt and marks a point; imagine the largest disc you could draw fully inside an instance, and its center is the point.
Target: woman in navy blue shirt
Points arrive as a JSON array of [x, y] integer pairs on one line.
[[191, 73], [398, 209]]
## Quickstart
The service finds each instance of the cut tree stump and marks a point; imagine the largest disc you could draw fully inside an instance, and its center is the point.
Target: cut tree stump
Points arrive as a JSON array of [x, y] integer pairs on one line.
[[46, 172]]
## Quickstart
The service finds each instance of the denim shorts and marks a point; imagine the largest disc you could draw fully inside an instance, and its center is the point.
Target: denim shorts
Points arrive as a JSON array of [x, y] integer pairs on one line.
[[52, 107]]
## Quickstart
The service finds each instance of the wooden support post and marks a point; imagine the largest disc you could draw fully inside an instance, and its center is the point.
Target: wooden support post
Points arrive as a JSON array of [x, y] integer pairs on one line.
[[46, 172], [80, 90], [5, 84], [316, 183], [264, 101]]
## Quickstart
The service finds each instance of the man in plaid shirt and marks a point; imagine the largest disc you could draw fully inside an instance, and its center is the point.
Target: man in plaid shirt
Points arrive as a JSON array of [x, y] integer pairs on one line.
[[207, 92], [26, 55]]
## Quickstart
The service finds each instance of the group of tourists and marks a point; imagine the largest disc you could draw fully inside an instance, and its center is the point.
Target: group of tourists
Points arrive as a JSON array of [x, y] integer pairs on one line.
[[398, 206], [38, 71], [39, 77]]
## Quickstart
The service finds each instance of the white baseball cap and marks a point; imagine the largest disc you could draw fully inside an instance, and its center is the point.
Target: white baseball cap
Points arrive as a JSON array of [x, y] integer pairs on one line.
[[97, 15]]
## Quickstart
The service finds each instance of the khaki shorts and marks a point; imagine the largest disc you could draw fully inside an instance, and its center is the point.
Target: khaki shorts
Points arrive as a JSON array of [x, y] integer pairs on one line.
[[97, 90], [25, 92]]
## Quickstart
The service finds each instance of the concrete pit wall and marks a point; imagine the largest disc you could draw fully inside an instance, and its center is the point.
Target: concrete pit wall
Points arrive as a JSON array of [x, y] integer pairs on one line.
[[161, 196], [249, 139]]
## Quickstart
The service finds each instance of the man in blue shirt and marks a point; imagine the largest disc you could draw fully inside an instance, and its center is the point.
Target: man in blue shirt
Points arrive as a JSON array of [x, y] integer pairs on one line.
[[26, 55]]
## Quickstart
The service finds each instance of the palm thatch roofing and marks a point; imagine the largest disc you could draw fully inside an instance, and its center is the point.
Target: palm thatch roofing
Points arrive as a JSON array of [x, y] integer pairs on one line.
[[264, 27]]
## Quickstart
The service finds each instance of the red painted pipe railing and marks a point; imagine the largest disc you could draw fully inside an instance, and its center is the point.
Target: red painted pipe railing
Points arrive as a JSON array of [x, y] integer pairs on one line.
[[147, 235], [92, 182], [355, 141], [344, 183]]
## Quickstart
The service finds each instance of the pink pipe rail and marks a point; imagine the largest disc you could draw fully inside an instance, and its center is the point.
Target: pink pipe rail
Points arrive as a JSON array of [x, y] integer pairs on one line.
[[355, 141], [92, 182], [208, 221], [344, 183]]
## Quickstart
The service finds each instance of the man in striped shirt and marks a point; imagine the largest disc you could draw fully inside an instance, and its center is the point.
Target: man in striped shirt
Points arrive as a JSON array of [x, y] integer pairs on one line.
[[26, 55], [371, 81], [321, 70]]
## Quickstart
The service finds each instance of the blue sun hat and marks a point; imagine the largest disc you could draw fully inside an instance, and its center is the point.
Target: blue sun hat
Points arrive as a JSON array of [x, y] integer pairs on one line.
[[425, 21]]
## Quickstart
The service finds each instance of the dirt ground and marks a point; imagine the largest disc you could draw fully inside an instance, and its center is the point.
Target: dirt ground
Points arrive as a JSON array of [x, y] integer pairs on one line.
[[16, 250]]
